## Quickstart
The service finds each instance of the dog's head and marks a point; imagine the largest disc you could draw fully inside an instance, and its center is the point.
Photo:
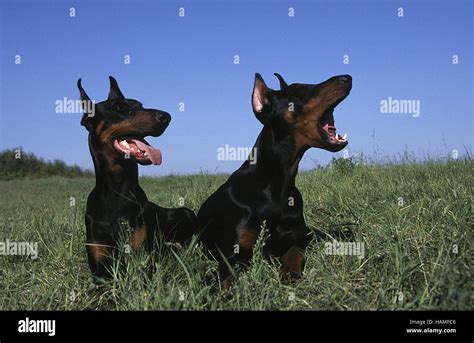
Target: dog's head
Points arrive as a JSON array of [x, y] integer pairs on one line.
[[121, 125], [305, 111]]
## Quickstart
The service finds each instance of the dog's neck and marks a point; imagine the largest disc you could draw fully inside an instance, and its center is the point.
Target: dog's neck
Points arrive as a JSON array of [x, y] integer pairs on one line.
[[114, 176], [276, 160]]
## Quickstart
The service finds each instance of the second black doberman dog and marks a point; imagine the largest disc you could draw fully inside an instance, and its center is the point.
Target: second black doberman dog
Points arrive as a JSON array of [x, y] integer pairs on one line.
[[295, 118], [117, 128]]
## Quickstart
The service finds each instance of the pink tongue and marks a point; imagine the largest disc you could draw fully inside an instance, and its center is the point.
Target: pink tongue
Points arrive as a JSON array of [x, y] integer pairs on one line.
[[330, 129], [153, 153]]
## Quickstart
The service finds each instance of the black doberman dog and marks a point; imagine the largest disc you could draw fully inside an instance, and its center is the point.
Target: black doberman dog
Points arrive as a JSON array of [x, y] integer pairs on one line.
[[295, 118], [117, 128]]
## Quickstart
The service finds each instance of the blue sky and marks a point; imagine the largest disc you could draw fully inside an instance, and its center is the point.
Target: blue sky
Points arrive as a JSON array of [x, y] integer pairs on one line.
[[190, 59]]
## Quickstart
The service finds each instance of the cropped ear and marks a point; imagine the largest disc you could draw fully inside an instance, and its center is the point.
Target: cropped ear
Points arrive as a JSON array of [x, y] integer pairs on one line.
[[283, 83], [115, 92], [261, 104], [88, 107]]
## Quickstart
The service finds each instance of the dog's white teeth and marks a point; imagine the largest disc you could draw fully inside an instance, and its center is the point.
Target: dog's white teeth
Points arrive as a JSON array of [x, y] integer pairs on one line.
[[124, 143], [345, 136]]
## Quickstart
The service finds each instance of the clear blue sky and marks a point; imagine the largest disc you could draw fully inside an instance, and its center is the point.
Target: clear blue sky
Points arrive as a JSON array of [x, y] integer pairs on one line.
[[191, 59]]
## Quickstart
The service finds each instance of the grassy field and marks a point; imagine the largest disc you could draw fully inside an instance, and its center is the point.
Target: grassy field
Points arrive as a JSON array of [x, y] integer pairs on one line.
[[414, 220]]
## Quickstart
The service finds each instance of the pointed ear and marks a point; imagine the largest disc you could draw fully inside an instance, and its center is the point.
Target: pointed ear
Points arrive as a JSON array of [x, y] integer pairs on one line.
[[283, 83], [261, 104], [88, 107], [115, 92]]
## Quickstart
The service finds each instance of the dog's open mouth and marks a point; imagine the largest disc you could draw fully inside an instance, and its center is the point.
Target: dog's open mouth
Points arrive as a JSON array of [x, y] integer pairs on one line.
[[139, 149], [333, 140]]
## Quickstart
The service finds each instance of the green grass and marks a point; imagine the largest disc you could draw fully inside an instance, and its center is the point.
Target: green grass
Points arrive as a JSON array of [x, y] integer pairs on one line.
[[410, 218]]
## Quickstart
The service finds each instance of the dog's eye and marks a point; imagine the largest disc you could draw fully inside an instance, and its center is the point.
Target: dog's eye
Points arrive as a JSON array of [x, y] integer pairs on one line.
[[118, 108], [134, 108]]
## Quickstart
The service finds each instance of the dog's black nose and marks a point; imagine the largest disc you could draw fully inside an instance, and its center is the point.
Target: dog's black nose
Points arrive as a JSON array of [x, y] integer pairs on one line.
[[345, 79], [162, 117]]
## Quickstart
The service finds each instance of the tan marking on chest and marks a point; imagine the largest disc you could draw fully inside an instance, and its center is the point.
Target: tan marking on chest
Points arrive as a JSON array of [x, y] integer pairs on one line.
[[248, 237], [139, 235]]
